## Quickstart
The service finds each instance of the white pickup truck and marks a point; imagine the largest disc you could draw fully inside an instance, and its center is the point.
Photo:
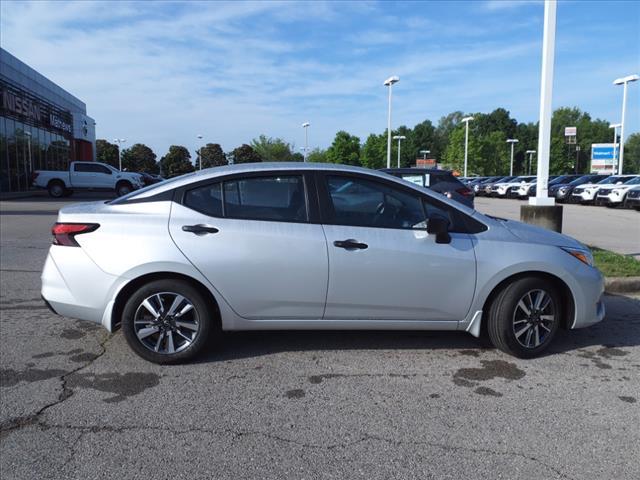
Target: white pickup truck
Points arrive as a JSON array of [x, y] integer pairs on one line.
[[86, 176]]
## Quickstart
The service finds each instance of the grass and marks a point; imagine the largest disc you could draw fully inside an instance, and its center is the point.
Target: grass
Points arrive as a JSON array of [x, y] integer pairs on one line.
[[613, 264]]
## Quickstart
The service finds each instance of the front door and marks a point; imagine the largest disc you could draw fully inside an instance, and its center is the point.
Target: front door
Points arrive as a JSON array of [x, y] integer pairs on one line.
[[251, 237], [382, 262]]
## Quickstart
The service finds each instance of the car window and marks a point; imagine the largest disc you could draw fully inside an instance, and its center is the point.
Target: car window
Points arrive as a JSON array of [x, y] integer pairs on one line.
[[633, 181], [206, 199], [279, 198], [91, 168], [360, 202]]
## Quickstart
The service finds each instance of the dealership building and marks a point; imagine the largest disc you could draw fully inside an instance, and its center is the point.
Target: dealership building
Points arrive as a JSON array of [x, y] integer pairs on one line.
[[42, 126]]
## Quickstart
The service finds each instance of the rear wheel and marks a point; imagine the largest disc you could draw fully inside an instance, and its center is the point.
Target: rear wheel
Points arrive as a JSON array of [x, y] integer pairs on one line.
[[56, 189], [167, 321], [524, 317]]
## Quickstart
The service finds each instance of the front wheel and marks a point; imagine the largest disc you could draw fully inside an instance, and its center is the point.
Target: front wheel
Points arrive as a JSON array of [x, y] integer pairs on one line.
[[524, 317], [167, 321], [123, 189]]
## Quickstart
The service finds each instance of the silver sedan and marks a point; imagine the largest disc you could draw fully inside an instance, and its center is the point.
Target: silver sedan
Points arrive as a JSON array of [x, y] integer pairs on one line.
[[311, 246]]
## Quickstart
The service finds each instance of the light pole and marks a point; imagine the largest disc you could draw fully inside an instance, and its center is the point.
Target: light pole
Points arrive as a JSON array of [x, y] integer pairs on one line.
[[199, 137], [399, 138], [512, 141], [119, 141], [466, 120], [389, 83], [306, 125], [577, 157], [624, 81], [615, 127], [530, 153], [425, 153]]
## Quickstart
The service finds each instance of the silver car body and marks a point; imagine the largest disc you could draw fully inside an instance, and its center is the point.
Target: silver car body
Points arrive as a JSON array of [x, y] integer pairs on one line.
[[278, 275]]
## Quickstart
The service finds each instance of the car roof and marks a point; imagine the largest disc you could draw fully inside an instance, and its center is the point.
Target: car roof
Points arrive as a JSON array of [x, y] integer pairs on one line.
[[417, 171], [215, 172]]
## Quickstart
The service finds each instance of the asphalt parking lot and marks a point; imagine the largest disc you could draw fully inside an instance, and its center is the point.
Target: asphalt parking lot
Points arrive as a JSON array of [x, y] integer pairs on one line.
[[77, 404]]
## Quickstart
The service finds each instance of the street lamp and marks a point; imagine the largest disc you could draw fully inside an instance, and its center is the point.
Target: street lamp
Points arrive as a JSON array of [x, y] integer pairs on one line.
[[615, 127], [623, 81], [466, 120], [199, 137], [425, 153], [306, 125], [119, 141], [399, 138], [530, 153], [389, 83], [512, 141]]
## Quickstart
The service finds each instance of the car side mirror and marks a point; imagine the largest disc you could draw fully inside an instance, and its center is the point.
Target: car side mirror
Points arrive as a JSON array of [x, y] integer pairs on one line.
[[440, 228]]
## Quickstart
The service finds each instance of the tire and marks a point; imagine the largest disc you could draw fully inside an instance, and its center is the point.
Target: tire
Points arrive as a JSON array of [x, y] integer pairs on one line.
[[162, 339], [509, 325], [123, 188], [56, 189]]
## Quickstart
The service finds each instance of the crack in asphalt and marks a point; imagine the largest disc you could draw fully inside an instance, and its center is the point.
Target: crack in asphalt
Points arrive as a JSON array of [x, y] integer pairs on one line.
[[238, 434], [18, 423]]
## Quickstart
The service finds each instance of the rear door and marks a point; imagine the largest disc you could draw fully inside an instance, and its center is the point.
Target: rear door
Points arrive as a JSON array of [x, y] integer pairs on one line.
[[253, 237], [383, 264]]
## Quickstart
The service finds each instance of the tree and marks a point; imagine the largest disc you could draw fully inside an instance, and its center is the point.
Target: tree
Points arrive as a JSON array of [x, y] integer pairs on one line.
[[453, 156], [424, 138], [107, 152], [344, 149], [374, 152], [317, 156], [176, 162], [211, 155], [273, 149], [245, 154], [139, 158], [632, 154], [446, 125]]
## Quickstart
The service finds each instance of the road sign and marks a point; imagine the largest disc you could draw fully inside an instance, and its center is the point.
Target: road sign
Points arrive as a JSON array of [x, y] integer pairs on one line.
[[604, 157], [570, 131]]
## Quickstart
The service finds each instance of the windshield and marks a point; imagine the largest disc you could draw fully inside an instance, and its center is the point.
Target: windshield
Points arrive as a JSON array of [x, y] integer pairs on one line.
[[609, 180], [633, 181], [581, 180]]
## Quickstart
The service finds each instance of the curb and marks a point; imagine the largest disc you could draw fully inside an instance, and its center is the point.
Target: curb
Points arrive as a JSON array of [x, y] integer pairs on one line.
[[621, 284], [19, 195]]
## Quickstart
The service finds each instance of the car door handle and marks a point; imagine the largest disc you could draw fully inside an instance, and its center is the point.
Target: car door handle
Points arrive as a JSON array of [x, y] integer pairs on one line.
[[350, 244], [199, 229]]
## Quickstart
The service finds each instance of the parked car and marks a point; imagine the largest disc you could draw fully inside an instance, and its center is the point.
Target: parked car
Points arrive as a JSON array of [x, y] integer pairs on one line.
[[441, 181], [276, 246], [553, 180], [633, 198], [586, 193], [150, 179], [86, 176], [562, 191], [479, 187], [501, 189], [614, 195], [488, 186]]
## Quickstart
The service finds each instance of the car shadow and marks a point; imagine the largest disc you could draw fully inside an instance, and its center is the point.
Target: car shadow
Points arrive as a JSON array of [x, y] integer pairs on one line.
[[620, 328]]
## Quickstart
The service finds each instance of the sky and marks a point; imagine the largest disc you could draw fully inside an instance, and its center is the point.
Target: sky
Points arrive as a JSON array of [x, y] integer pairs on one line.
[[161, 73]]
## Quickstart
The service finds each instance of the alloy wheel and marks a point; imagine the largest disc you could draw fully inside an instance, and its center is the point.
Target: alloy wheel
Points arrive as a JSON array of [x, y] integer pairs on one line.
[[166, 323], [533, 318]]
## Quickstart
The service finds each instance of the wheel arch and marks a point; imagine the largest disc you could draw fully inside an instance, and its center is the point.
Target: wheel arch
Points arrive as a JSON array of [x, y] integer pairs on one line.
[[131, 286], [568, 300]]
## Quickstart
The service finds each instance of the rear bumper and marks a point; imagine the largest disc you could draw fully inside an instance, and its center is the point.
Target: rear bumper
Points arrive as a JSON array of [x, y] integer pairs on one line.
[[73, 285]]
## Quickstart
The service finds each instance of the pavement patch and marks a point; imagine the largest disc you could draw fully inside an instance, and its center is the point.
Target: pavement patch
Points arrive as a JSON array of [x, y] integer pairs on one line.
[[121, 385]]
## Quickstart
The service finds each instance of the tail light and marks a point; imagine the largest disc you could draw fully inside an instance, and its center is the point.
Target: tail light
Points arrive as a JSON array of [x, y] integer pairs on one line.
[[64, 233], [464, 191]]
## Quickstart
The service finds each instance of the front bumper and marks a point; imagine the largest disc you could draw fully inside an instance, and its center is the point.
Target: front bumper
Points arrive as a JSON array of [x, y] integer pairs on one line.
[[588, 297]]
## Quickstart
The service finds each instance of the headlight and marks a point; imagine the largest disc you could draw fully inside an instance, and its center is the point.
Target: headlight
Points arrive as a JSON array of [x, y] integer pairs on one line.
[[562, 190], [617, 192], [585, 256]]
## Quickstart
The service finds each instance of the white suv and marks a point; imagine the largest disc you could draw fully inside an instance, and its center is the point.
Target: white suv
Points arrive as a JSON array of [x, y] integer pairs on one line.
[[587, 193], [613, 195], [501, 189]]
